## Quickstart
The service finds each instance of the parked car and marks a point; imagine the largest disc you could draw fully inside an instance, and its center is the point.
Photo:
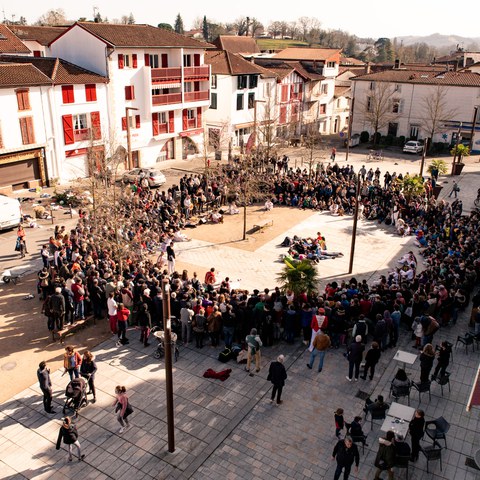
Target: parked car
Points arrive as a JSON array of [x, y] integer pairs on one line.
[[155, 177], [10, 212], [413, 146]]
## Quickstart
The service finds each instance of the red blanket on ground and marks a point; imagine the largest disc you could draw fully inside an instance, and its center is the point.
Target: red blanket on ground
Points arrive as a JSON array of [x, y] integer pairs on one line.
[[223, 375]]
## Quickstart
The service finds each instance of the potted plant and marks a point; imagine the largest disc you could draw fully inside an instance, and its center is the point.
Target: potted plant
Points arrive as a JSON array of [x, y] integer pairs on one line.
[[412, 186], [459, 151], [437, 167]]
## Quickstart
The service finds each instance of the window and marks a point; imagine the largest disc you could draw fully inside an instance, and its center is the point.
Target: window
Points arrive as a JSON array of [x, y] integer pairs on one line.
[[393, 129], [153, 61], [242, 82], [251, 100], [187, 87], [134, 122], [127, 61], [267, 89], [372, 86], [80, 121], [338, 103], [330, 64], [187, 60], [26, 129], [324, 90], [252, 81], [213, 101], [398, 87], [396, 106], [91, 92], [369, 104], [129, 92], [67, 94], [240, 101], [23, 99], [213, 81], [322, 109], [37, 53], [134, 61], [163, 122]]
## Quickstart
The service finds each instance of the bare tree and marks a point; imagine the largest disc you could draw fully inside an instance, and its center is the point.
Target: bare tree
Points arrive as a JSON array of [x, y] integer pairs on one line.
[[435, 110], [241, 25], [53, 17], [378, 110], [275, 29], [255, 26]]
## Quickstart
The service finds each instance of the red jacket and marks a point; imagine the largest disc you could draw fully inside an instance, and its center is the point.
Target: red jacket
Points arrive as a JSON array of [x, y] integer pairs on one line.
[[123, 314]]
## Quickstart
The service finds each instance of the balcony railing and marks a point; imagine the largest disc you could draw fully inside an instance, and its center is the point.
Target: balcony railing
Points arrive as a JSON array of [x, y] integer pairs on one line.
[[166, 99], [166, 74], [81, 135], [191, 123], [196, 72], [196, 96]]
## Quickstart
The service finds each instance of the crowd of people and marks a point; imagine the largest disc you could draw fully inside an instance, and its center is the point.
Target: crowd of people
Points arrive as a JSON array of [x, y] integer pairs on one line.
[[83, 274]]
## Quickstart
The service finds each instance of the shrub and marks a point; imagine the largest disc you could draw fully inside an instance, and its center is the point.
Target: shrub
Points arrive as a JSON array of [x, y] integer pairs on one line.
[[401, 140], [364, 137], [389, 139]]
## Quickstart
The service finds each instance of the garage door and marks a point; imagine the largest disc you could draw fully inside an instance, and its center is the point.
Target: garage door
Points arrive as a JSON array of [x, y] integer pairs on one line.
[[17, 174]]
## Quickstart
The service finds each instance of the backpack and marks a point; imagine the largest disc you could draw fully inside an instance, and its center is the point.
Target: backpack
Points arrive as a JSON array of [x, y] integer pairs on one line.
[[225, 355], [361, 329]]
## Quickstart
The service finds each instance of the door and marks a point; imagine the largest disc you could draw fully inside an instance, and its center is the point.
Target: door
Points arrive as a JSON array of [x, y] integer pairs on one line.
[[413, 132]]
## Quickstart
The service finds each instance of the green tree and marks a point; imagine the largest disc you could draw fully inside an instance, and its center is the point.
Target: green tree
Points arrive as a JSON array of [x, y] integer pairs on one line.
[[178, 27], [205, 29], [165, 26], [459, 151], [299, 276]]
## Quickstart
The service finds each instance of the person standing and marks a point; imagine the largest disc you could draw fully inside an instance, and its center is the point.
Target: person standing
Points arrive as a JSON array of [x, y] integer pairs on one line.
[[144, 322], [78, 298], [346, 454], [68, 432], [170, 258], [416, 429], [277, 375], [229, 322], [87, 370], [443, 360], [122, 407], [199, 323], [214, 322], [385, 459], [426, 362], [371, 359], [253, 349], [355, 355], [333, 154], [57, 304], [122, 320], [339, 421], [43, 375], [72, 362], [321, 343]]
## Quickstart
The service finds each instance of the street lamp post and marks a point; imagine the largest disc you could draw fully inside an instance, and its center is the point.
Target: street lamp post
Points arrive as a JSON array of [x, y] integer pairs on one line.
[[474, 124], [129, 140], [349, 131], [168, 364], [456, 148], [355, 222], [255, 133]]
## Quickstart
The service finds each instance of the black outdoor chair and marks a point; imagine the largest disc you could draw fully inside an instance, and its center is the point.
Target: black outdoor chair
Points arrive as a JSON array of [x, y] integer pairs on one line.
[[360, 439], [399, 392], [437, 429], [476, 337], [422, 388], [432, 453], [466, 340], [444, 380], [402, 461]]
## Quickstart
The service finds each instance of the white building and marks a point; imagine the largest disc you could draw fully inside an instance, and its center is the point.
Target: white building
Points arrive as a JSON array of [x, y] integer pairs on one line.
[[409, 100], [156, 77]]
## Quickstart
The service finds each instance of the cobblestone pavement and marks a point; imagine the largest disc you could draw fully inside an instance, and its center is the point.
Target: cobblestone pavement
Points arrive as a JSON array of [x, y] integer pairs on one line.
[[229, 430]]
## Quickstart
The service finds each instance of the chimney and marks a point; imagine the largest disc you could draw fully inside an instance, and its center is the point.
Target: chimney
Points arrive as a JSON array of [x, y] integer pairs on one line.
[[397, 64], [367, 68]]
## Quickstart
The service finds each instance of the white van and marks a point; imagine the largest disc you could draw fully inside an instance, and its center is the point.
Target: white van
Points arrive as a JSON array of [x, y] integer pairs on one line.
[[10, 212]]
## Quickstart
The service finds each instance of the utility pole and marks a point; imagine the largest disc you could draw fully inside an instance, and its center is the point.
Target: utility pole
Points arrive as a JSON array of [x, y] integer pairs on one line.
[[354, 229], [456, 148], [424, 153], [474, 124], [349, 131], [129, 139], [167, 338]]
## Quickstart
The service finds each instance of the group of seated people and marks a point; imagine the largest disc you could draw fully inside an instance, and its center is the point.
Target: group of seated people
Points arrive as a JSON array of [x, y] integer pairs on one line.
[[313, 249]]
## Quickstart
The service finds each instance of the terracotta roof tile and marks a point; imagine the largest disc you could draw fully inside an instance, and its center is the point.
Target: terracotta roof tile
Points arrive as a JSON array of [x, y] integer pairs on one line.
[[42, 35], [21, 75], [228, 63], [237, 44], [10, 43], [59, 71], [318, 54], [140, 36], [428, 77]]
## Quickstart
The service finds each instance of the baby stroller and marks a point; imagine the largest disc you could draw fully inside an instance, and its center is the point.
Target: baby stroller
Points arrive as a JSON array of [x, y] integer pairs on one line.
[[160, 336], [76, 393]]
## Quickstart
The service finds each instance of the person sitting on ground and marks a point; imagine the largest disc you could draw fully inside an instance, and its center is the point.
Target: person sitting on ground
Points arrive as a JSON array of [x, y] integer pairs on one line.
[[268, 205]]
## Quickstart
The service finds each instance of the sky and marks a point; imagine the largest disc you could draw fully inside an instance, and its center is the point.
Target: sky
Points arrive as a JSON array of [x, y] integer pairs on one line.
[[370, 18]]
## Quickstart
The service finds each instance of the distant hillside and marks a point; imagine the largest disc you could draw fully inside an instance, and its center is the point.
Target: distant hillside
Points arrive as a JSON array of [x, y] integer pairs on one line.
[[278, 43], [437, 40]]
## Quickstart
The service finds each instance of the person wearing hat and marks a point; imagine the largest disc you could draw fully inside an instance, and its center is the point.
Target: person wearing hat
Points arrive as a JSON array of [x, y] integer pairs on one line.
[[321, 343], [277, 375], [57, 305]]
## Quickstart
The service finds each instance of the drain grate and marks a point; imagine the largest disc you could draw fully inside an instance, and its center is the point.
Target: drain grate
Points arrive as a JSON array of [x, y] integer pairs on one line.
[[470, 462], [362, 395]]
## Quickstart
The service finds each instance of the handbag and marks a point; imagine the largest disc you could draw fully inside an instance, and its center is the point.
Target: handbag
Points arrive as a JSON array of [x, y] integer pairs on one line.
[[409, 311]]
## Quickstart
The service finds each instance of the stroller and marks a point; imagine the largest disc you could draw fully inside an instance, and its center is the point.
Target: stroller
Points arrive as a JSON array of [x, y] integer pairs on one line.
[[160, 336], [76, 393]]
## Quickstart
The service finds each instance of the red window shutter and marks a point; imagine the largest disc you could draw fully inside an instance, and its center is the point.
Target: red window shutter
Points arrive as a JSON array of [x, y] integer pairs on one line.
[[67, 94], [91, 92], [147, 60], [155, 124], [129, 92], [284, 93], [137, 121], [185, 119], [23, 100], [96, 127], [283, 114], [196, 86], [164, 60], [134, 60], [68, 136], [120, 61], [292, 91], [199, 117], [171, 122], [124, 123], [37, 53], [196, 59]]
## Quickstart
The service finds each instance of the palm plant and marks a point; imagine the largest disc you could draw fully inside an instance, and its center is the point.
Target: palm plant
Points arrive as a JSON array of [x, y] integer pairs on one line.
[[460, 151], [437, 165], [411, 186], [299, 276]]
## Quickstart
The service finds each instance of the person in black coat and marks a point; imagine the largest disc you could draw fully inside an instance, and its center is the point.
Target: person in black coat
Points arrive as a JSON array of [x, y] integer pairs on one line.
[[277, 375], [355, 355], [87, 370], [346, 453], [371, 359], [426, 362], [68, 432], [43, 375], [443, 360], [416, 429]]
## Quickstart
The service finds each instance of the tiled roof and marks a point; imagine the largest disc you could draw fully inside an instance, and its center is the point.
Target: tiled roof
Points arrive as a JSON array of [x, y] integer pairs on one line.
[[351, 61], [228, 63], [42, 35], [461, 79], [21, 75], [318, 54], [341, 91], [59, 71], [237, 44], [9, 43], [139, 36], [308, 70]]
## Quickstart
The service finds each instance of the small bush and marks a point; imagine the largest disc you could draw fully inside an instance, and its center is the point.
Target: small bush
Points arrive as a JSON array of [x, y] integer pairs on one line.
[[401, 140], [389, 139], [364, 137]]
